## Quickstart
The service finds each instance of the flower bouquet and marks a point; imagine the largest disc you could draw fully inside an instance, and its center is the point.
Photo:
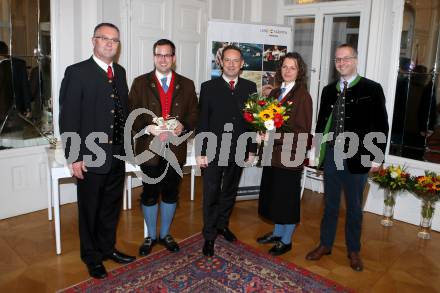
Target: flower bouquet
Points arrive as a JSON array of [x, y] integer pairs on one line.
[[266, 114], [427, 188], [392, 179]]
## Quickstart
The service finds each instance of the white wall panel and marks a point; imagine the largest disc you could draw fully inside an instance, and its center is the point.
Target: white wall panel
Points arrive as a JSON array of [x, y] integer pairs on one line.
[[148, 22], [188, 60], [22, 187], [189, 35]]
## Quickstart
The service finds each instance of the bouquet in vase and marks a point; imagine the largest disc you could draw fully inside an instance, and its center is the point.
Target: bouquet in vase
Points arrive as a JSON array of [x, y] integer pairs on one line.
[[427, 188], [392, 179]]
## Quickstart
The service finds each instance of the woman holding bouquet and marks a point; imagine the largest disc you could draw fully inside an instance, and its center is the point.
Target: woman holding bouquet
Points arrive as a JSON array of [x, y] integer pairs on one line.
[[280, 188]]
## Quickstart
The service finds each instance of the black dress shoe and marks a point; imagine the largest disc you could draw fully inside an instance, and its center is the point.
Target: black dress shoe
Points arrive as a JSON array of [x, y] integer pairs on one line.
[[97, 271], [268, 238], [280, 248], [120, 257], [169, 243], [356, 261], [208, 248], [229, 236], [146, 247]]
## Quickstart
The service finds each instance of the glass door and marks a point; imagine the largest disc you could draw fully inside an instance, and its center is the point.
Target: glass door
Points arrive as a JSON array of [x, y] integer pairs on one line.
[[338, 29], [318, 29]]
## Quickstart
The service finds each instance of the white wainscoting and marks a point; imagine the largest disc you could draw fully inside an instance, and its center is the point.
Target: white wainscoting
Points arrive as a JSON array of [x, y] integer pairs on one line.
[[23, 176]]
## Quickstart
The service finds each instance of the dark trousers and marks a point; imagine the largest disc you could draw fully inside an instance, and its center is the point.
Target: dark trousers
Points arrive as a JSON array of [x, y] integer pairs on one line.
[[220, 185], [353, 185], [99, 206], [168, 187]]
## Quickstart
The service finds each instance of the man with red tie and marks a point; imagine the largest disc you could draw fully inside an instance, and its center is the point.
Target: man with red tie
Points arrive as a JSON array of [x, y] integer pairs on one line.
[[93, 102], [172, 97], [221, 102]]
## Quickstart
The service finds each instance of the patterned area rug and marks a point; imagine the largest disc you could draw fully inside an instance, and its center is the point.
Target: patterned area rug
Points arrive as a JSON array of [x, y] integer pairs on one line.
[[236, 267]]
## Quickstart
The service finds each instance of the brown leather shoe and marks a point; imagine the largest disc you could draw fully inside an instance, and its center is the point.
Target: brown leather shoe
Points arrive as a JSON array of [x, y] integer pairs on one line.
[[356, 261], [318, 252]]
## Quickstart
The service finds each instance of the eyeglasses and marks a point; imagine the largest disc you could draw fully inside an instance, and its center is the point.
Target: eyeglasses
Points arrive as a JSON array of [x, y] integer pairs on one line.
[[108, 40], [343, 59], [166, 56]]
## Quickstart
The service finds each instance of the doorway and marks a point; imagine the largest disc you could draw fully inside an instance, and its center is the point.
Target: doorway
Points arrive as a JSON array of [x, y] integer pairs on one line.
[[318, 29]]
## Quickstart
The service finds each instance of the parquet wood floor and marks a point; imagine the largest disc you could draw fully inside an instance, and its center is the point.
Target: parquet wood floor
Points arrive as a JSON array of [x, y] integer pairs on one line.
[[395, 259]]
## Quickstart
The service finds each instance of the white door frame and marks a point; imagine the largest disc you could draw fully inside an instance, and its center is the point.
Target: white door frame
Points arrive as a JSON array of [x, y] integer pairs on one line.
[[318, 11]]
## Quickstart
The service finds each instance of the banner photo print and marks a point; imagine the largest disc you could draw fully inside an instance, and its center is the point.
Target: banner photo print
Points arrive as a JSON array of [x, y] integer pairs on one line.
[[262, 47]]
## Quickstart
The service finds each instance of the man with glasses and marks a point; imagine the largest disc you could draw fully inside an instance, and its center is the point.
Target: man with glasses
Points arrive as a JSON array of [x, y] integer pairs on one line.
[[221, 102], [351, 104], [93, 101], [172, 97]]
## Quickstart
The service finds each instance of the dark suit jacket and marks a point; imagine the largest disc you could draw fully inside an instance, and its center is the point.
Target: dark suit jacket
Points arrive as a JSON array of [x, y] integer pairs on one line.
[[365, 112], [184, 107], [6, 89], [218, 106], [86, 105], [300, 121], [22, 90]]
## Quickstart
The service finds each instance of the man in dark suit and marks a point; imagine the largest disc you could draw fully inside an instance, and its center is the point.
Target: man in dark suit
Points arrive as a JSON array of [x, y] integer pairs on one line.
[[172, 97], [6, 84], [352, 104], [93, 101], [14, 83], [221, 103]]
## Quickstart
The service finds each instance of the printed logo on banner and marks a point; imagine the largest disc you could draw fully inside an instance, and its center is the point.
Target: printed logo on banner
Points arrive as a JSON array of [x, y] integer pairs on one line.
[[273, 32]]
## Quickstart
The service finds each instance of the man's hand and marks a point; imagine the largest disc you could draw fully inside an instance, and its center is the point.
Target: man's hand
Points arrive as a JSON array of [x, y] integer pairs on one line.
[[179, 128], [155, 130], [78, 168], [262, 136], [202, 161], [375, 167], [266, 89], [250, 161]]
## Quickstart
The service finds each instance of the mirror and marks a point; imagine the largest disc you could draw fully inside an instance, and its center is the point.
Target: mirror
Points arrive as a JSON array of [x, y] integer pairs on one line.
[[25, 74], [415, 132]]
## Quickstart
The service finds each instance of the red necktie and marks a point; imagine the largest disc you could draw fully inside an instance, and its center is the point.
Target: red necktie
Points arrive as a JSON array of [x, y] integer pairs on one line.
[[231, 84], [109, 72]]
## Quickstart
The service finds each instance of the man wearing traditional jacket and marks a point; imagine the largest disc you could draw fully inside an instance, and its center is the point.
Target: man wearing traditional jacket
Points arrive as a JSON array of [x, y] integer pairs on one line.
[[351, 104], [93, 101], [168, 95]]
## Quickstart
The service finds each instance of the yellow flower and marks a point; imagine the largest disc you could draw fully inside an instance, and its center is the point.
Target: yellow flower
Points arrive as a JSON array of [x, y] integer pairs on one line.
[[436, 186], [397, 170], [275, 109], [266, 115]]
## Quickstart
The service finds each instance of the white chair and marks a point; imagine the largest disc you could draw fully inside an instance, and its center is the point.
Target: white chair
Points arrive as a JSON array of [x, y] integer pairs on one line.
[[314, 179], [58, 169], [312, 176]]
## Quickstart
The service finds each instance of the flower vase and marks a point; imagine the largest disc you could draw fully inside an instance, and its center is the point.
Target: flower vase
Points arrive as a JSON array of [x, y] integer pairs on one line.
[[388, 210], [428, 208]]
